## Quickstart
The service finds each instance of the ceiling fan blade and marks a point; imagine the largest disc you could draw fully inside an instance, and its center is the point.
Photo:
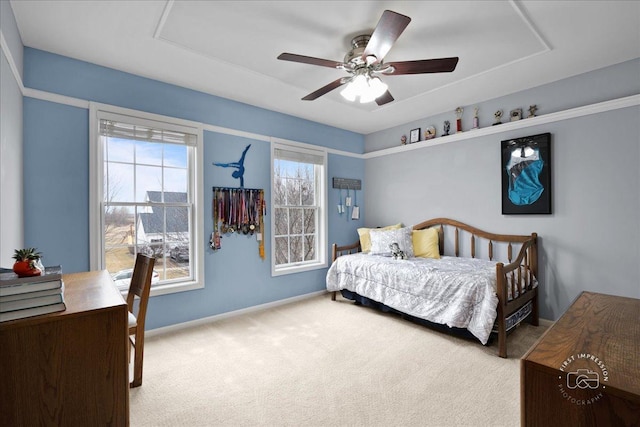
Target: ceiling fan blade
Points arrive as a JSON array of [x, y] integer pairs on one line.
[[384, 98], [323, 90], [422, 66], [309, 60], [389, 28]]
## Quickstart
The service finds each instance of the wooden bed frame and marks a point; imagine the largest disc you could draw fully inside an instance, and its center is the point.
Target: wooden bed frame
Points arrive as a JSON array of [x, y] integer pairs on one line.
[[520, 270]]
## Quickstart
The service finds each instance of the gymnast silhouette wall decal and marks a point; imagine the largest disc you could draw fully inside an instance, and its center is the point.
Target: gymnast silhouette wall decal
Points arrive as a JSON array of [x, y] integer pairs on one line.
[[239, 165]]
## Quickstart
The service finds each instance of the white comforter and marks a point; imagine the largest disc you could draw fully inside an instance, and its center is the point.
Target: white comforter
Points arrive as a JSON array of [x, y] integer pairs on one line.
[[458, 292]]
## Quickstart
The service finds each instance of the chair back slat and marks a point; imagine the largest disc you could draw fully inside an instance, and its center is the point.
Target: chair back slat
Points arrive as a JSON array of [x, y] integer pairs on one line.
[[140, 286]]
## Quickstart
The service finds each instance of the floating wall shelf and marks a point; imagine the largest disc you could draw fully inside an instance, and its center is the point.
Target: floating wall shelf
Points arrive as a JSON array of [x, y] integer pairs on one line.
[[586, 110]]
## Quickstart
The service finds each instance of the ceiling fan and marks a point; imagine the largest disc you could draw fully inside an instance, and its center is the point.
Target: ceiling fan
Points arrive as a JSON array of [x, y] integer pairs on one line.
[[364, 63]]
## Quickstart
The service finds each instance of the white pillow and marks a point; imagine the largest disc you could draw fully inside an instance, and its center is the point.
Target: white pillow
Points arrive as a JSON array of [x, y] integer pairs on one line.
[[381, 239]]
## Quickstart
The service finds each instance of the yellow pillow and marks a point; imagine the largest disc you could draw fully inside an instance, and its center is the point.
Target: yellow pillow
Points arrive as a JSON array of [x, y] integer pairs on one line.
[[365, 238], [425, 243]]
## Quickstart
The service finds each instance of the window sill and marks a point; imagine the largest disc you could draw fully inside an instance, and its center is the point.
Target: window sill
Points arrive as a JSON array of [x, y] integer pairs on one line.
[[170, 288], [300, 268]]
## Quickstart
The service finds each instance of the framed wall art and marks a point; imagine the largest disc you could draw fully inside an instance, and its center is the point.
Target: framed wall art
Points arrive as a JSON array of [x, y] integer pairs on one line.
[[526, 175]]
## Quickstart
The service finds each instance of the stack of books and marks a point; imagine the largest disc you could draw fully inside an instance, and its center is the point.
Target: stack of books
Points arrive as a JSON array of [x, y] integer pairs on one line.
[[31, 296]]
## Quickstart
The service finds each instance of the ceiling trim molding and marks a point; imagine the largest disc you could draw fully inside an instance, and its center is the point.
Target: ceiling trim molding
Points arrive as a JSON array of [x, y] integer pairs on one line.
[[55, 97], [11, 61], [158, 36], [265, 138], [236, 132], [328, 150], [572, 113], [521, 11], [163, 19], [601, 107]]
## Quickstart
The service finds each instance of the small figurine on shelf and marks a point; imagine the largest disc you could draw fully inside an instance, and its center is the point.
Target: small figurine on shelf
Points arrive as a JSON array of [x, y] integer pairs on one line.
[[459, 111], [430, 132], [403, 139], [498, 116], [447, 126], [532, 111], [476, 124]]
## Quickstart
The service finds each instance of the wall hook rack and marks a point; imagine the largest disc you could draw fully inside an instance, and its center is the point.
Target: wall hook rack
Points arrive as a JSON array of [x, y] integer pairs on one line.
[[347, 184]]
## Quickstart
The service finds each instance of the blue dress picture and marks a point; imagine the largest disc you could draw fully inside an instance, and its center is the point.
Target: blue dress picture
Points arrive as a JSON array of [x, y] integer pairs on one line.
[[524, 169], [526, 175]]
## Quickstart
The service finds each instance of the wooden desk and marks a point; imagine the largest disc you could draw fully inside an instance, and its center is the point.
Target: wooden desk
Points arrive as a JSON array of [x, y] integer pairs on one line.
[[607, 328], [68, 368]]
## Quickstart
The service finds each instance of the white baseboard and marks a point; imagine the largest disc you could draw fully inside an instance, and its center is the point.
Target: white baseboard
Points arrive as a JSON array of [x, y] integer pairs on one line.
[[172, 328], [545, 322], [210, 319]]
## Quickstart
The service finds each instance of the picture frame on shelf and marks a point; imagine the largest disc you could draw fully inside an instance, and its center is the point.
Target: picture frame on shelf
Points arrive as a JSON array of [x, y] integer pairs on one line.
[[414, 135]]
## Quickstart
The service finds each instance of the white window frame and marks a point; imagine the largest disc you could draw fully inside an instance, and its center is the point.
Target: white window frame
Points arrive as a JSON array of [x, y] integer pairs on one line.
[[96, 167], [322, 216]]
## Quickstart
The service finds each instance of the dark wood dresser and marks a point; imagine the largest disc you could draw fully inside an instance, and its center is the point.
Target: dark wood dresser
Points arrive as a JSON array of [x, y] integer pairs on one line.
[[585, 370], [68, 368]]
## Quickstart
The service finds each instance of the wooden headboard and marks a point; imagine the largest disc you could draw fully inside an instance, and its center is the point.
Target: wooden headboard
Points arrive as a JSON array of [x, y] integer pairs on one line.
[[474, 234]]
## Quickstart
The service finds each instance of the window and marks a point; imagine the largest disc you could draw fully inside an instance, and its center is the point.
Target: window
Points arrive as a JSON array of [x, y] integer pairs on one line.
[[146, 199], [299, 209]]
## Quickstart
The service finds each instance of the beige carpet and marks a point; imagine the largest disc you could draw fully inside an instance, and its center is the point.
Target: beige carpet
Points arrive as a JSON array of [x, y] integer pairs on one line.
[[321, 363]]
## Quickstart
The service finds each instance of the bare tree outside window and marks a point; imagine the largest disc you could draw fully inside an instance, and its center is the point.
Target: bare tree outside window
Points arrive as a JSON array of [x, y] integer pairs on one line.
[[295, 212]]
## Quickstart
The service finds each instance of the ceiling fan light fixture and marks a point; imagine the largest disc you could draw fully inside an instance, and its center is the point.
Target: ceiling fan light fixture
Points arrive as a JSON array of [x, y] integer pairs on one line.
[[365, 87], [349, 92], [366, 59], [355, 87], [360, 83], [378, 87]]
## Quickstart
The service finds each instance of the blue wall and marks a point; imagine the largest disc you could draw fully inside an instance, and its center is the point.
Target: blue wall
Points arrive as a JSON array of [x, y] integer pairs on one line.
[[11, 215], [56, 181]]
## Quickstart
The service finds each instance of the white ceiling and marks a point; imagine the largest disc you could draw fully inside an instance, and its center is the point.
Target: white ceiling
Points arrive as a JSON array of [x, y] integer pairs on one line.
[[229, 48]]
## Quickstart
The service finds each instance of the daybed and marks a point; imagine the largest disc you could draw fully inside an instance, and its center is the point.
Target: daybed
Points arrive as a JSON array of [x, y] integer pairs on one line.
[[472, 291]]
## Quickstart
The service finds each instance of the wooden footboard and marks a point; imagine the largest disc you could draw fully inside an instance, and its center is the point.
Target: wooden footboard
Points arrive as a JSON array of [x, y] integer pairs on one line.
[[337, 251], [515, 277]]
